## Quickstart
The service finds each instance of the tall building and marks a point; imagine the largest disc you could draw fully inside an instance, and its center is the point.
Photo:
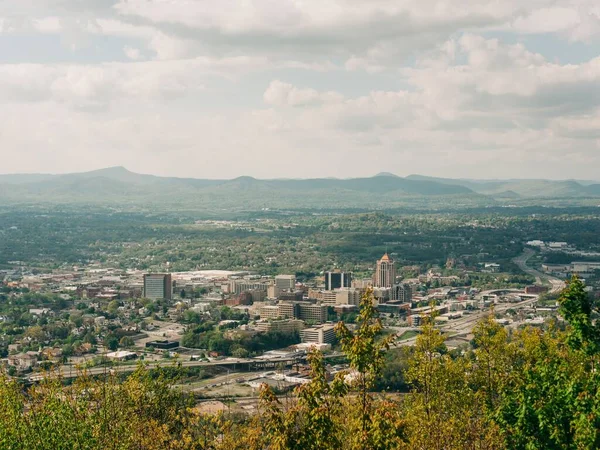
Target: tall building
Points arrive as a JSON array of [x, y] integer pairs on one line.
[[385, 274], [285, 282], [337, 280], [401, 292], [158, 286]]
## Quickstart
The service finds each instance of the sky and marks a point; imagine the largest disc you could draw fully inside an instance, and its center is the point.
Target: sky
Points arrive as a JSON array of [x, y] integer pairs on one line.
[[302, 88]]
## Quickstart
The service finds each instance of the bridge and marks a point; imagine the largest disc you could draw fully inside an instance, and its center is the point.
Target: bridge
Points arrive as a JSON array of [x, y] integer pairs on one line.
[[236, 364]]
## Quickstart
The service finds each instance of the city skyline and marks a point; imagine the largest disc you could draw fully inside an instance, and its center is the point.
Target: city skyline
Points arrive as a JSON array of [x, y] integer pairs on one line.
[[301, 90]]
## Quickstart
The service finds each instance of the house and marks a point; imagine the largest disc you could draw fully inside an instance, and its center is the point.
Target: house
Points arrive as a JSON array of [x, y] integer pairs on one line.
[[23, 361], [52, 354], [38, 312]]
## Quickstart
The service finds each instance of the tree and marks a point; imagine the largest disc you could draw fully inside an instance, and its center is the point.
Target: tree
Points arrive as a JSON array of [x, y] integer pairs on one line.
[[35, 333], [312, 423], [126, 341], [443, 410], [576, 307], [111, 342], [113, 307], [365, 351], [240, 352]]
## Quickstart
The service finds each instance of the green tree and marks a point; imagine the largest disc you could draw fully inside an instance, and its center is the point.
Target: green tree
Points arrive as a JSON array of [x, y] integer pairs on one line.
[[113, 307], [111, 342], [365, 349], [126, 341], [576, 308], [312, 423]]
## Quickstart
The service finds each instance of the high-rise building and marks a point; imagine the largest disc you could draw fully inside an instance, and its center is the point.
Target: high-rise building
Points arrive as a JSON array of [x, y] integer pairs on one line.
[[158, 286], [401, 292], [285, 282], [385, 274], [337, 280]]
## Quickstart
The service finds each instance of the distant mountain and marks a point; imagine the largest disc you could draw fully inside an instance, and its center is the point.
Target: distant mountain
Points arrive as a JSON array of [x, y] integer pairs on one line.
[[117, 184], [386, 174], [522, 188]]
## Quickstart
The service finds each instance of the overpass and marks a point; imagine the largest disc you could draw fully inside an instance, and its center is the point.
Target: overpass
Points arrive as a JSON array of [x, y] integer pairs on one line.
[[241, 364]]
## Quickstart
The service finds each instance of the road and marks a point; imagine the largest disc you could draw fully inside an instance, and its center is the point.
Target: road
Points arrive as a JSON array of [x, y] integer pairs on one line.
[[465, 324], [556, 284], [72, 372]]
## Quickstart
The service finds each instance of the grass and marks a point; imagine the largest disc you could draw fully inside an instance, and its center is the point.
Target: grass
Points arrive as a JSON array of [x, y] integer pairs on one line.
[[408, 335]]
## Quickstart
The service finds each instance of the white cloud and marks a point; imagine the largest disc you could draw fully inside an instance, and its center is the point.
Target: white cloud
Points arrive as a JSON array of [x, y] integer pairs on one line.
[[91, 86], [416, 84], [132, 53], [285, 94], [579, 21]]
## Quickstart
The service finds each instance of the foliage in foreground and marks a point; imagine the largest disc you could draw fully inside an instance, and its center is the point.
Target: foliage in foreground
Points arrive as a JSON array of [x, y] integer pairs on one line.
[[533, 389]]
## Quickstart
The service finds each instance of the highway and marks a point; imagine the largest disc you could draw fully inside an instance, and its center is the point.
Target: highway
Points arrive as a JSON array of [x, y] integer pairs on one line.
[[69, 371], [465, 324], [556, 284]]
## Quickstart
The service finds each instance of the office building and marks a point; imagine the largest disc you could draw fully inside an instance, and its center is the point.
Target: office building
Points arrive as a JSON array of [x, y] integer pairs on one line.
[[283, 326], [312, 312], [158, 286], [288, 310], [239, 286], [291, 296], [385, 274], [285, 282], [337, 280], [295, 310], [324, 334], [363, 283], [348, 296], [257, 295], [401, 292], [269, 312]]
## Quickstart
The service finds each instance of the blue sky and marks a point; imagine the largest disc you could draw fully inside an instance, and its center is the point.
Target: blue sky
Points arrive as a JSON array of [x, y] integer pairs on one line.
[[290, 88]]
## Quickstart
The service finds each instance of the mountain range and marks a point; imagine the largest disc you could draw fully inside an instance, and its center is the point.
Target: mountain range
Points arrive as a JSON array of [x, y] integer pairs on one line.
[[117, 185]]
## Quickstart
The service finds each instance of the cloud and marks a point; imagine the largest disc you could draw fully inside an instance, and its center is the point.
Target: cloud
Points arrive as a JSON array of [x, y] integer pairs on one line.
[[94, 86], [579, 21], [132, 53], [183, 86], [371, 35], [285, 94], [474, 97]]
